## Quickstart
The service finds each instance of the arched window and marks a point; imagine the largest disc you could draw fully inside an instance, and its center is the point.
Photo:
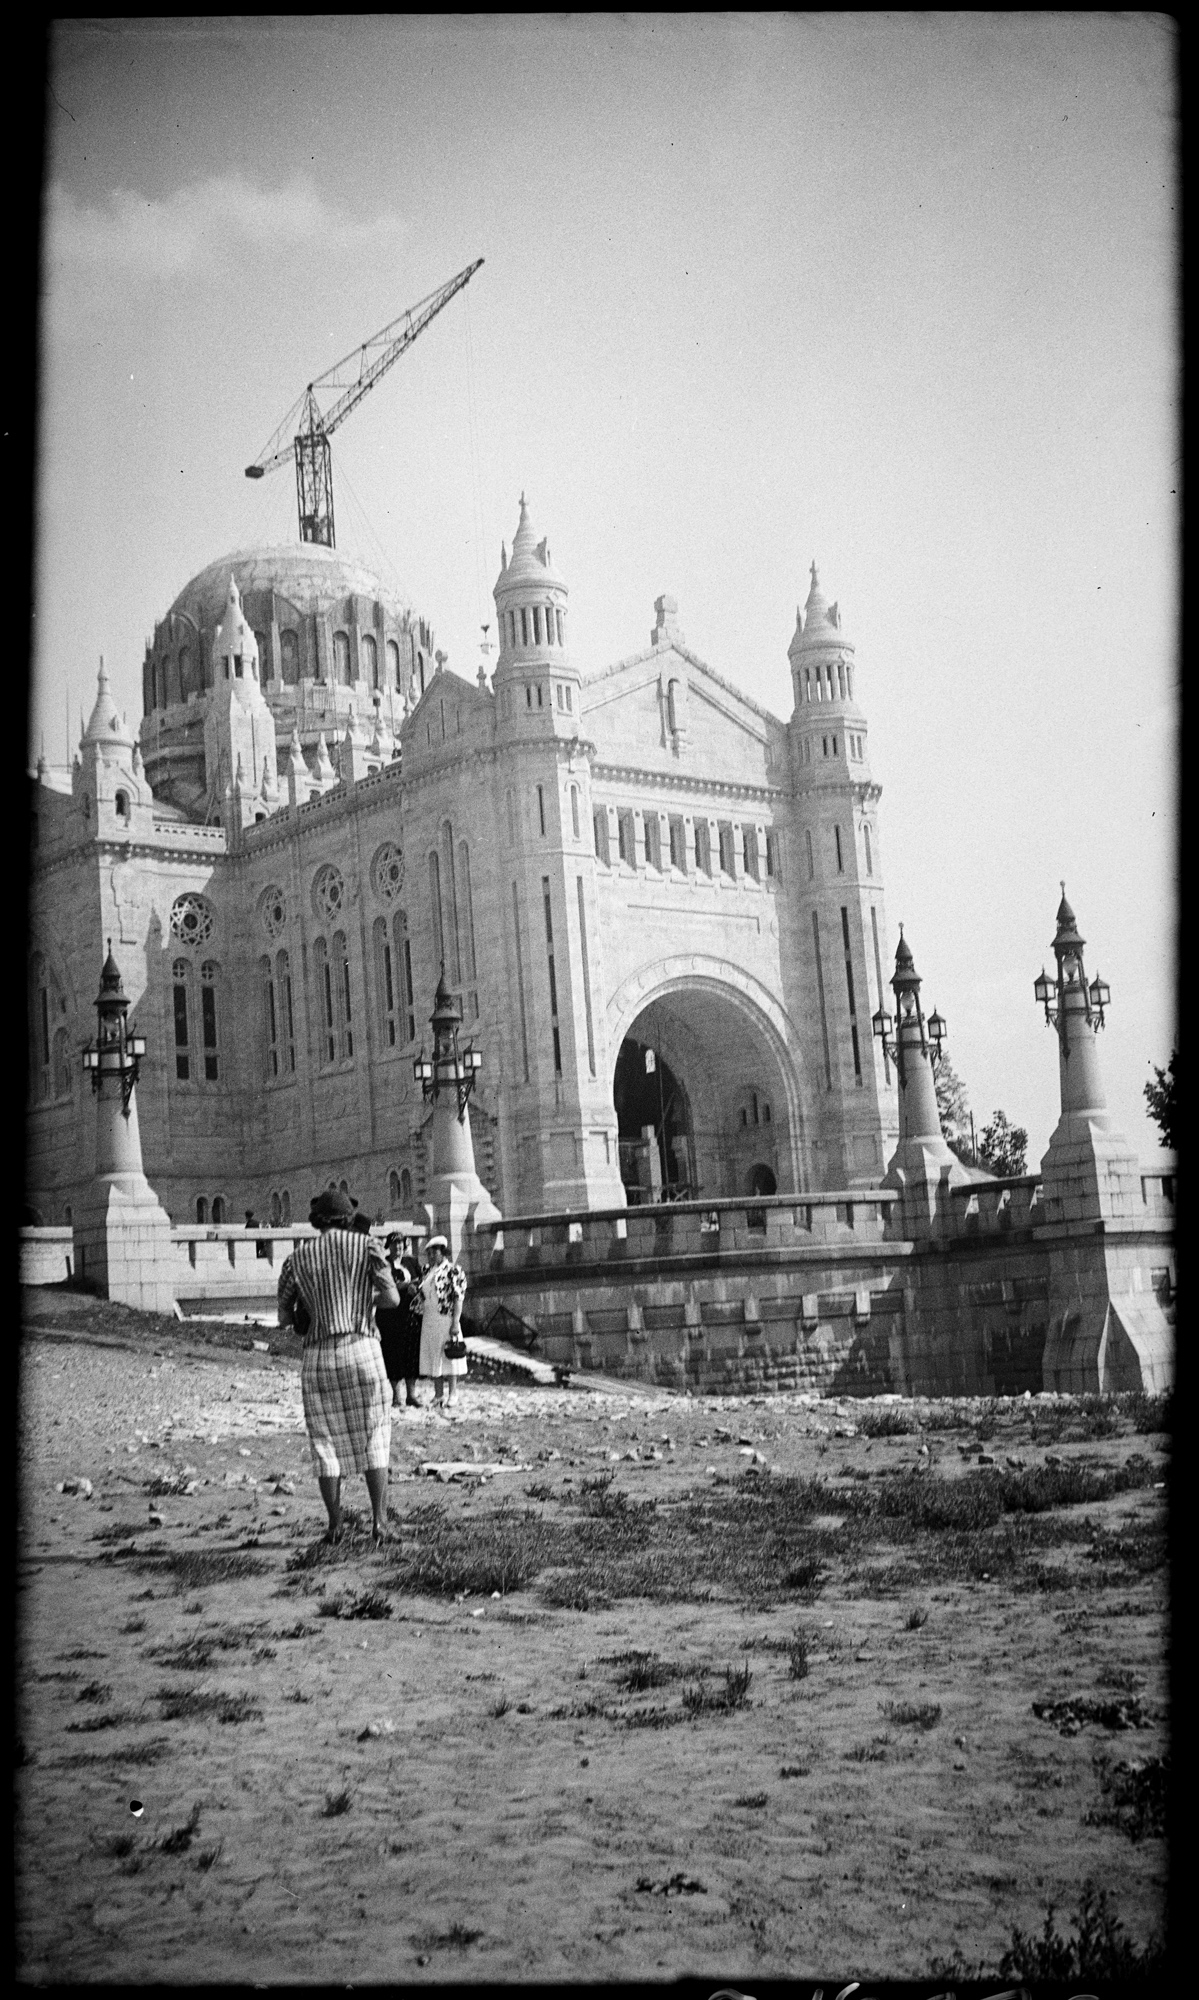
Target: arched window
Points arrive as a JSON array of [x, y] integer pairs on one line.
[[393, 1189], [703, 847], [449, 899], [574, 810], [264, 657], [324, 1001], [181, 1004], [599, 824], [385, 983], [869, 855], [122, 805], [185, 672], [287, 1018], [727, 865], [218, 1208], [536, 624], [289, 653], [558, 617], [341, 963], [270, 1020], [64, 1075], [524, 626], [369, 651], [420, 671], [403, 961], [41, 1075], [209, 972], [435, 906], [512, 628], [341, 658], [468, 914], [840, 857], [202, 1208], [393, 664], [405, 1189], [285, 1205], [811, 857], [276, 1209], [549, 625]]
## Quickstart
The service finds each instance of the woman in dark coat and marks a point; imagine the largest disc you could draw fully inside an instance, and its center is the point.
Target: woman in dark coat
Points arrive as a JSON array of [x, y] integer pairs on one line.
[[399, 1326]]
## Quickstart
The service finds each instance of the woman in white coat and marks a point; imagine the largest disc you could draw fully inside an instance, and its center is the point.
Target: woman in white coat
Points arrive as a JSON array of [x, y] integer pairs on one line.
[[442, 1290]]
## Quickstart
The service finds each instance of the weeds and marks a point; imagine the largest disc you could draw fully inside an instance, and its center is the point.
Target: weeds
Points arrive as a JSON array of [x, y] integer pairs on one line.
[[207, 1856], [111, 1718], [753, 1800], [645, 1670], [336, 1803], [1122, 1712], [178, 1841], [191, 1704], [925, 1714], [1098, 1950], [598, 1498], [873, 1752], [96, 1691], [193, 1569], [917, 1618], [886, 1423], [701, 1700], [1134, 1797], [367, 1604], [797, 1658], [133, 1625], [500, 1707]]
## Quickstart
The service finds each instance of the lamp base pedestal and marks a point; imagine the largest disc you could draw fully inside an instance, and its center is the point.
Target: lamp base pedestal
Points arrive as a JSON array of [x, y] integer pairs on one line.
[[457, 1204], [122, 1242]]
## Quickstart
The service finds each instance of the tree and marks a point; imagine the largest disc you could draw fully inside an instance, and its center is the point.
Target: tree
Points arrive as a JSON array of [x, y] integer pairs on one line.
[[1002, 1147], [953, 1110], [1162, 1099]]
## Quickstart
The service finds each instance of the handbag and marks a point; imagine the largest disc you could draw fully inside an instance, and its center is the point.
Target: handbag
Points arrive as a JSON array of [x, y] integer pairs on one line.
[[455, 1348]]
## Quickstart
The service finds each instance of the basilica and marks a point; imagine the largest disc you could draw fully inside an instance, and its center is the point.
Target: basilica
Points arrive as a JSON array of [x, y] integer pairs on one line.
[[660, 907]]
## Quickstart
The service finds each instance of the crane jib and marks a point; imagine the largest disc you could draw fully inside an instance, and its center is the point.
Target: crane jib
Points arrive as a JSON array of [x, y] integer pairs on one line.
[[303, 436]]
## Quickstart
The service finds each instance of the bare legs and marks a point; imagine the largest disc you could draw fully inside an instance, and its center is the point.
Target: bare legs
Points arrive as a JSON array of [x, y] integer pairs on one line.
[[376, 1486]]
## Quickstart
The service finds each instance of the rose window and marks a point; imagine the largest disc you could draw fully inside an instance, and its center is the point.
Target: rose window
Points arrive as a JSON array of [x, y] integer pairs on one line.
[[273, 909], [387, 872], [328, 892], [191, 920]]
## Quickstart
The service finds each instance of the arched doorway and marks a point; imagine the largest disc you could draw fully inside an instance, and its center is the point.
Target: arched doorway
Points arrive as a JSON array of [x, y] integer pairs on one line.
[[716, 1114], [653, 1118]]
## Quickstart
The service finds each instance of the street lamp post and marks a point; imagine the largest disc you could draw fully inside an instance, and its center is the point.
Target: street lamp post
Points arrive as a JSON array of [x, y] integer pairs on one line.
[[1068, 997], [913, 1034], [452, 1071], [116, 1054]]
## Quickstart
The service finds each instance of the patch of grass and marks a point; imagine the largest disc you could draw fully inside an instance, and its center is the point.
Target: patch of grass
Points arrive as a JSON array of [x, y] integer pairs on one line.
[[180, 1838], [924, 1714], [194, 1704], [539, 1491], [1099, 1949], [600, 1498], [806, 1576], [367, 1604], [886, 1423], [123, 1844], [917, 1618], [297, 1631], [797, 1658], [208, 1856], [457, 1938], [193, 1569], [500, 1706], [1125, 1711], [110, 1718], [96, 1691], [652, 1718], [874, 1752], [1134, 1797], [133, 1625], [795, 1771], [262, 1653], [165, 1484], [153, 1751], [82, 1653], [753, 1800], [117, 1531], [700, 1700], [640, 1671], [336, 1803]]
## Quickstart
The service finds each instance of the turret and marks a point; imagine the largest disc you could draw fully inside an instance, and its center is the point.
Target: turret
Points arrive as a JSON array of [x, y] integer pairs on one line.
[[535, 683], [107, 774], [828, 722], [239, 728]]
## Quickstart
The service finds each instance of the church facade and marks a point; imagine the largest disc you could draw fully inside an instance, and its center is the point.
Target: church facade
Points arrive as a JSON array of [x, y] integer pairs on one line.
[[660, 906]]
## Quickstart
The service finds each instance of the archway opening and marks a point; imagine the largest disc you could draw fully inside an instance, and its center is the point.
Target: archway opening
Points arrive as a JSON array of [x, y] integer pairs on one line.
[[653, 1119], [710, 1116]]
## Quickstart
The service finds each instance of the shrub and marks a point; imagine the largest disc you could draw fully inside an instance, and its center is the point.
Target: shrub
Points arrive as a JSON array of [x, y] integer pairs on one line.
[[1098, 1951]]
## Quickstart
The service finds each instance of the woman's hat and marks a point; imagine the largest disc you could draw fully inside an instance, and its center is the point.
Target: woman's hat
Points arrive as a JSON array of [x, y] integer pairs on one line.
[[331, 1206], [436, 1243]]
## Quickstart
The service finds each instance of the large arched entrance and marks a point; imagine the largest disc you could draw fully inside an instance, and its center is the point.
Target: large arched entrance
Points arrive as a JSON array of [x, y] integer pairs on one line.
[[706, 1098]]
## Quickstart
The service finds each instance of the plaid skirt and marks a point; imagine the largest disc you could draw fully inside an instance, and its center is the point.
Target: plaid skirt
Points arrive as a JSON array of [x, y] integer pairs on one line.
[[347, 1404]]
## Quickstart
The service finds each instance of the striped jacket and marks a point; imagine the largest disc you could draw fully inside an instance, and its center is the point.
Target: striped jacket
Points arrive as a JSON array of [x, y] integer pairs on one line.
[[337, 1276]]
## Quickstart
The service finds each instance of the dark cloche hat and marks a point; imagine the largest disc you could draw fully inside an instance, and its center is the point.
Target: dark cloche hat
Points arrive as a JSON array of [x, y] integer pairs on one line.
[[330, 1206]]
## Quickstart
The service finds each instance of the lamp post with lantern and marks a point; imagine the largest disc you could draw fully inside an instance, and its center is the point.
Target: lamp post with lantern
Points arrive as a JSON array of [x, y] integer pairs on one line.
[[914, 1044], [113, 1061], [447, 1080], [1076, 1011]]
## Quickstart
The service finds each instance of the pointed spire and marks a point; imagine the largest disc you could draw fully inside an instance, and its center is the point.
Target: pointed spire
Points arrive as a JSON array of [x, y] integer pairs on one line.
[[324, 764], [105, 725], [295, 759]]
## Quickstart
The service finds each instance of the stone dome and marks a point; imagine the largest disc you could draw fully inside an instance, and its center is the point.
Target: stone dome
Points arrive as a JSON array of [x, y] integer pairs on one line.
[[305, 573]]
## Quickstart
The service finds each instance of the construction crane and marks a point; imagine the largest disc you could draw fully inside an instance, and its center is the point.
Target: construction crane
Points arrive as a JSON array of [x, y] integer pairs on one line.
[[305, 430]]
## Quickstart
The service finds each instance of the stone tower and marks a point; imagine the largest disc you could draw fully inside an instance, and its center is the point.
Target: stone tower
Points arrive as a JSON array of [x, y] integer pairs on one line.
[[240, 767], [839, 893], [566, 1135]]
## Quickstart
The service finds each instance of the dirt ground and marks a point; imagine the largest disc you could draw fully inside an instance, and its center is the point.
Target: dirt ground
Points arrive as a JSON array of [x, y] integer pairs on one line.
[[716, 1721]]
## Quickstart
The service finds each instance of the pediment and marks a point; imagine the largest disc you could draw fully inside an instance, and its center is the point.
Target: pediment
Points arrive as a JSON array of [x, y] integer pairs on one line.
[[667, 707]]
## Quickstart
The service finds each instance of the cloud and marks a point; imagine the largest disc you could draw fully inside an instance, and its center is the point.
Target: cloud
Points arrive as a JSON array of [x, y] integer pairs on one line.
[[131, 236]]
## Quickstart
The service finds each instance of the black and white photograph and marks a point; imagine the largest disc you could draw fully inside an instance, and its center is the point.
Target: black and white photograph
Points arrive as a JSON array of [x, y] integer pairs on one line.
[[597, 1252]]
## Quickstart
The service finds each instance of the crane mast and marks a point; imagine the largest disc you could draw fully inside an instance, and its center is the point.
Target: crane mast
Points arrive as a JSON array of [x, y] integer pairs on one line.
[[305, 430]]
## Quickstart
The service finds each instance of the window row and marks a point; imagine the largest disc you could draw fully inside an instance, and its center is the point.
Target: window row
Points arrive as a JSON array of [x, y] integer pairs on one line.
[[542, 820], [172, 680], [759, 862], [839, 851], [561, 695], [828, 682], [526, 626], [830, 746]]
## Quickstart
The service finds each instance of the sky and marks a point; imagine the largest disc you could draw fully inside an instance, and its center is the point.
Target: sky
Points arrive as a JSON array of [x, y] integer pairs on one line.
[[894, 292]]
